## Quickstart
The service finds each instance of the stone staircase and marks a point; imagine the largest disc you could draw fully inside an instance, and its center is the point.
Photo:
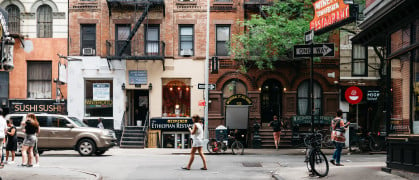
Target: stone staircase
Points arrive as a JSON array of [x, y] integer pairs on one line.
[[266, 134], [133, 137]]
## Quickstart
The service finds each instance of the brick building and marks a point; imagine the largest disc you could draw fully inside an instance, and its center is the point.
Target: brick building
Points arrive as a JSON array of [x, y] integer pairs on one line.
[[40, 32], [393, 25]]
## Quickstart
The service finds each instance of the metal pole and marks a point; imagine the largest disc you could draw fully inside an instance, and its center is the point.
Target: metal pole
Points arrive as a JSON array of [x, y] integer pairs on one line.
[[206, 74], [311, 89]]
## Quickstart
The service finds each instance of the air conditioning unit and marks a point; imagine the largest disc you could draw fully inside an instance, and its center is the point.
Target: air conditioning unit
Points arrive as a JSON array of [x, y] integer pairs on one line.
[[88, 52], [186, 52]]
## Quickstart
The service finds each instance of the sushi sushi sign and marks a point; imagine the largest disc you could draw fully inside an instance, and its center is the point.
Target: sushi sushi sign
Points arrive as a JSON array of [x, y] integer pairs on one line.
[[353, 95]]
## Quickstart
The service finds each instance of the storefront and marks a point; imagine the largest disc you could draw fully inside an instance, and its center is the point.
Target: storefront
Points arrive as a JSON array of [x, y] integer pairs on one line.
[[37, 106], [394, 26], [171, 131]]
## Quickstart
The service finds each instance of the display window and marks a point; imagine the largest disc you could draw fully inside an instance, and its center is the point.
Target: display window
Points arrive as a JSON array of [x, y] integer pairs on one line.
[[176, 98], [177, 140], [98, 98]]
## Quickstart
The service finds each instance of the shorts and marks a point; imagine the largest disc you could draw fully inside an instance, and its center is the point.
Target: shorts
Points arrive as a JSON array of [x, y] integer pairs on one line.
[[197, 143], [30, 140], [1, 143]]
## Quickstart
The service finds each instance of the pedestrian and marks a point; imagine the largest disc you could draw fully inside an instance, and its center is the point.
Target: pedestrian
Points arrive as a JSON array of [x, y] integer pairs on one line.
[[197, 134], [100, 124], [35, 148], [338, 137], [3, 129], [276, 125], [11, 145], [31, 128]]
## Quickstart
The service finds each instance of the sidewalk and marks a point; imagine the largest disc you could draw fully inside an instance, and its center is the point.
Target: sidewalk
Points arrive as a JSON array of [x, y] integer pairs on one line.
[[13, 171]]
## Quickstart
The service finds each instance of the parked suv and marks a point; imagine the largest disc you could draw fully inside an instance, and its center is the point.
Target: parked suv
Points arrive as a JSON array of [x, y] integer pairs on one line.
[[60, 132]]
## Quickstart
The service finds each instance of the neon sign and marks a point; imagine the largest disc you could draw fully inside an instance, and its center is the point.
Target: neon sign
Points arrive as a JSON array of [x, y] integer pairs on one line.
[[330, 13]]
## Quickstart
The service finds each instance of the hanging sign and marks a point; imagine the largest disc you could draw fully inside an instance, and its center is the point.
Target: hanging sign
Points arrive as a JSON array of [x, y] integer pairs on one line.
[[353, 95], [330, 14], [201, 103], [239, 99]]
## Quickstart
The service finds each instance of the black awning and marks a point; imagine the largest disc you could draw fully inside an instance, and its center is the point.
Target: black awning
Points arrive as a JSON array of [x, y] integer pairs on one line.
[[387, 19]]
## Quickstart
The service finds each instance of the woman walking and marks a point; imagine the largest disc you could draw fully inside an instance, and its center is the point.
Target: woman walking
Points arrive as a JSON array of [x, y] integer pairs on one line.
[[31, 127], [276, 126], [11, 146], [338, 137], [197, 134]]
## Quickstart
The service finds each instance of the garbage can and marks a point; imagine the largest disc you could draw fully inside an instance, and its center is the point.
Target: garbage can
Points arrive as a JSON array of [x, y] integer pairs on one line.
[[221, 133]]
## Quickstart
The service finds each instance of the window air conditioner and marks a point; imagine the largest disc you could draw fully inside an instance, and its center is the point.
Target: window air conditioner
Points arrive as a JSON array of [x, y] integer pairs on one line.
[[186, 52], [88, 51]]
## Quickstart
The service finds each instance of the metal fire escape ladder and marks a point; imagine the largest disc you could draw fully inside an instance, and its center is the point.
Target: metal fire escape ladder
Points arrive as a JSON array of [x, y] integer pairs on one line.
[[135, 29]]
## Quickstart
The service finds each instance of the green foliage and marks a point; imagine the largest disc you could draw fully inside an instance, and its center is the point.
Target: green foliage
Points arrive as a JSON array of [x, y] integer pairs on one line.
[[270, 39]]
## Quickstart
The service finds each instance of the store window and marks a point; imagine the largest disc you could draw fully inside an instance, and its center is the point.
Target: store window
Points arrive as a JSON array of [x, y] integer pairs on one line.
[[303, 98], [98, 98], [415, 93], [234, 87], [44, 21], [176, 98], [39, 79], [177, 140]]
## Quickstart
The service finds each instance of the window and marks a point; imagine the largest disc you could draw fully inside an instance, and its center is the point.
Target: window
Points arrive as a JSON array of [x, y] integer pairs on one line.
[[152, 40], [14, 19], [223, 35], [415, 92], [359, 60], [88, 39], [234, 87], [186, 38], [44, 21], [122, 33], [303, 98], [98, 98], [39, 79], [57, 122], [176, 98]]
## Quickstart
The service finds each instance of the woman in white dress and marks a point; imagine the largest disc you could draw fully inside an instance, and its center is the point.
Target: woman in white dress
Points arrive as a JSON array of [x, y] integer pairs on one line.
[[197, 134]]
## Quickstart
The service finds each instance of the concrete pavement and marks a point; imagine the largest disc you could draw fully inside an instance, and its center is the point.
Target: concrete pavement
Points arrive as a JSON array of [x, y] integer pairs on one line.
[[352, 170]]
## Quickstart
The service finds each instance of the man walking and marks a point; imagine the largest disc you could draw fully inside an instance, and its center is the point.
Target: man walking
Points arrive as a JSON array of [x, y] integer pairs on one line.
[[100, 124]]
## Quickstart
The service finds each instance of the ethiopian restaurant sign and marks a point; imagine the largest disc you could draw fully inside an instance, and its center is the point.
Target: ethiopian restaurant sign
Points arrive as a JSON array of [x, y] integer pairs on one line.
[[329, 14]]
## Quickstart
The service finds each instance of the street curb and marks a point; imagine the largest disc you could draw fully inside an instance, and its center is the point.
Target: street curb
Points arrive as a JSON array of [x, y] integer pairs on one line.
[[277, 177]]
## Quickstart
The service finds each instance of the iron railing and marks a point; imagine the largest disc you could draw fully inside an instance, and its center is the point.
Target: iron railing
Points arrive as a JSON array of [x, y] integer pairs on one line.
[[136, 49]]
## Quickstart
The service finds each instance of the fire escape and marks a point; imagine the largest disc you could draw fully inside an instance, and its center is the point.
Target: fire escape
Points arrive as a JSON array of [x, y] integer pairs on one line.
[[255, 6], [135, 46]]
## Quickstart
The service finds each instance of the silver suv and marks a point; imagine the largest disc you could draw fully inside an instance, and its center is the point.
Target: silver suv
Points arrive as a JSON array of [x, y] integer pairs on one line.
[[60, 132]]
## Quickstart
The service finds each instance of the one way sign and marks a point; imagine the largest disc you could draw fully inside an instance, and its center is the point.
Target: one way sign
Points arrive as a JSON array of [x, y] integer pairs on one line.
[[324, 50]]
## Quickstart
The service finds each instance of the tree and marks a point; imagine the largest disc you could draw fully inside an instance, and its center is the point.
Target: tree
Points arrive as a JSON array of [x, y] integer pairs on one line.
[[269, 39]]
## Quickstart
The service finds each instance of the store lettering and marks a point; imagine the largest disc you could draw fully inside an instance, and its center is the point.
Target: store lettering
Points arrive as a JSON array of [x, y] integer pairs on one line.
[[177, 121], [329, 12], [36, 108]]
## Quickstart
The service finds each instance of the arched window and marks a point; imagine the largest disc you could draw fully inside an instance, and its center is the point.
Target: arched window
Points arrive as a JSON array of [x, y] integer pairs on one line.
[[14, 19], [303, 98], [234, 87], [44, 21]]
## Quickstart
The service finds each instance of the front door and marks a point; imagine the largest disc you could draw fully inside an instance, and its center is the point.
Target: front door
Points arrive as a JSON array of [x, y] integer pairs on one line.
[[138, 107], [271, 99]]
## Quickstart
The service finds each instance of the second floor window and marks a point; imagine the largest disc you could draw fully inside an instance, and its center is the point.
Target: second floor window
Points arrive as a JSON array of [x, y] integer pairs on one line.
[[44, 21], [223, 36], [88, 39], [14, 19], [186, 40], [39, 79], [359, 60], [152, 40], [122, 33]]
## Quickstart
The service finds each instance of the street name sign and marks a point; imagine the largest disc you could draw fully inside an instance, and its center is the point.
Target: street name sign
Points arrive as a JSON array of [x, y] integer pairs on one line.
[[319, 50], [308, 37], [210, 86]]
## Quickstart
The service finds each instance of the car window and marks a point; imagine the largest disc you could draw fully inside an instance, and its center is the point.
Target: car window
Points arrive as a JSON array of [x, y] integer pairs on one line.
[[16, 120], [58, 122], [42, 121], [78, 122]]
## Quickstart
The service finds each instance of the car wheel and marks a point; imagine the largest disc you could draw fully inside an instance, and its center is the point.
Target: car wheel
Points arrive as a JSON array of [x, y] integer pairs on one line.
[[100, 152], [86, 147], [19, 147]]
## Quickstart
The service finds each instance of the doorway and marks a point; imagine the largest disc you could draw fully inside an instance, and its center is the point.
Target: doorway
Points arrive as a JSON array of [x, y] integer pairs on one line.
[[138, 107], [270, 99]]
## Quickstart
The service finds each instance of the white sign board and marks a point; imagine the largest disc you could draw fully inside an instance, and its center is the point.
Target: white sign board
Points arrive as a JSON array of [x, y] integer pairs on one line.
[[62, 76], [101, 91]]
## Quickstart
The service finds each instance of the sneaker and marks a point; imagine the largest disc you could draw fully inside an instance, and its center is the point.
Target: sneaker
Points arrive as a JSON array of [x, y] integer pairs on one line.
[[36, 165], [11, 162], [333, 162], [22, 165], [339, 164], [29, 165]]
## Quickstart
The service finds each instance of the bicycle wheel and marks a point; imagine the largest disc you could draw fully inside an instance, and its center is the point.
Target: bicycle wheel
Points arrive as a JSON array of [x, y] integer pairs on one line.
[[212, 146], [327, 142], [237, 148], [318, 162], [375, 145], [306, 160]]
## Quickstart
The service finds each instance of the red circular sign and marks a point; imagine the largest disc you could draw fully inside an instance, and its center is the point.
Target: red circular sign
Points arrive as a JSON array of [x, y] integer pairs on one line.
[[353, 95]]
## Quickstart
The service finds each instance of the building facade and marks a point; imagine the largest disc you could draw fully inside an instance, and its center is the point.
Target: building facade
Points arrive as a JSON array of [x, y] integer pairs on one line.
[[393, 25], [39, 29]]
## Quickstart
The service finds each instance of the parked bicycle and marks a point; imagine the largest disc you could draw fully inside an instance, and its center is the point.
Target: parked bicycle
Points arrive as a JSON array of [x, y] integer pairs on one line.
[[316, 161], [215, 146], [367, 141]]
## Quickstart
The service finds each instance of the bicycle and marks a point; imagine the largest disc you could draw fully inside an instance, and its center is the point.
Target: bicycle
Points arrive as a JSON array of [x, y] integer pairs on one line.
[[214, 146], [316, 161]]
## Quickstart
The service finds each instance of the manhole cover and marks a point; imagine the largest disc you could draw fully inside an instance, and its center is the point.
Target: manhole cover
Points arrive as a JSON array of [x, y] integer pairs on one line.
[[252, 164]]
